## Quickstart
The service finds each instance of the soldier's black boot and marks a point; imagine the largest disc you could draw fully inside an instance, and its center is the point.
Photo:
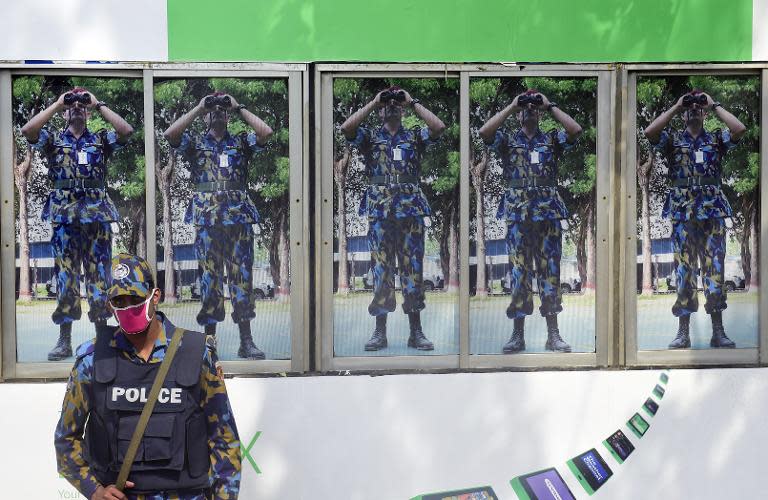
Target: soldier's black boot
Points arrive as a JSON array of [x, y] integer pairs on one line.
[[63, 347], [516, 342], [554, 341], [719, 338], [417, 338], [379, 338], [247, 348], [683, 338]]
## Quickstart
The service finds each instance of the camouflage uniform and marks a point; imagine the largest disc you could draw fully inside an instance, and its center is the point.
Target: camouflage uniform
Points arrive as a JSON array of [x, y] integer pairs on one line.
[[80, 217], [533, 216], [223, 220], [224, 441], [395, 214], [697, 213]]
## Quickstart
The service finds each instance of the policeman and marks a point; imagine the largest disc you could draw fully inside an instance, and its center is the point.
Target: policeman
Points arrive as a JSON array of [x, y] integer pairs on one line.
[[532, 208], [697, 206], [78, 207], [221, 210], [395, 206], [190, 448]]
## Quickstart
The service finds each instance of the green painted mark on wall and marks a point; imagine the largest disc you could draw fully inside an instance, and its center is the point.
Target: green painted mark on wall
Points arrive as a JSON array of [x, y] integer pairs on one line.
[[460, 30], [247, 453]]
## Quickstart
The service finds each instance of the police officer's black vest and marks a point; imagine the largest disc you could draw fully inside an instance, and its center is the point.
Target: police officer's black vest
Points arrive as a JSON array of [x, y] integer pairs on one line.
[[173, 454]]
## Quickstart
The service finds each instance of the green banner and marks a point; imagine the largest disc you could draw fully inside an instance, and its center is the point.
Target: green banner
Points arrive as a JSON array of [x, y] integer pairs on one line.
[[460, 30]]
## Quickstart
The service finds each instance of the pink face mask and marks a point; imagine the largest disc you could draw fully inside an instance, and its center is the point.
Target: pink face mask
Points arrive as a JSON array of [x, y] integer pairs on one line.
[[134, 319]]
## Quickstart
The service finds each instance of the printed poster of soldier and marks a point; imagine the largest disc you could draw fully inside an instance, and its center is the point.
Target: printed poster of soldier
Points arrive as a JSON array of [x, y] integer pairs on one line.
[[78, 154], [222, 211], [532, 214], [698, 211], [396, 224]]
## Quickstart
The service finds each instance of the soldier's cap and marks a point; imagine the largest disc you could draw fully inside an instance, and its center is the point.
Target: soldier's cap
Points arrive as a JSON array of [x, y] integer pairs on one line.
[[131, 275]]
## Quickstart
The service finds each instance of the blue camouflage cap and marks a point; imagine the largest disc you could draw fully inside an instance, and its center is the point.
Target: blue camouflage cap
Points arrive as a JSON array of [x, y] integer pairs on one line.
[[131, 275]]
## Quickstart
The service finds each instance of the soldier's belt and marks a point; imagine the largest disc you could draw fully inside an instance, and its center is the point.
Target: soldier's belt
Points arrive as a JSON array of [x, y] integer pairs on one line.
[[208, 187], [531, 182], [78, 183], [696, 181], [394, 179]]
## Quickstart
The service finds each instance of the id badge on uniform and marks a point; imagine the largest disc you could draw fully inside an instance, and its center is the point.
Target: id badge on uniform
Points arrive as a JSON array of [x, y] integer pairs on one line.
[[699, 156], [82, 158], [534, 157], [397, 154], [223, 160]]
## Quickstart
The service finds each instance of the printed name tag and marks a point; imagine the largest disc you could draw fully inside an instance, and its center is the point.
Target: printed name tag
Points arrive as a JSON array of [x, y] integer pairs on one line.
[[223, 160], [397, 154], [699, 156], [82, 158], [534, 157]]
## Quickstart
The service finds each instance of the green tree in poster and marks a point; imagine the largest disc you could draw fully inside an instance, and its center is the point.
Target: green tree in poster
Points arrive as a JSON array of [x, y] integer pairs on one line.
[[348, 98]]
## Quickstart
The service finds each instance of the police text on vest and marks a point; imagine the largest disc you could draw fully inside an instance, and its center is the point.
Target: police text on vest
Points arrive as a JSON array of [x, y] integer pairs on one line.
[[134, 394]]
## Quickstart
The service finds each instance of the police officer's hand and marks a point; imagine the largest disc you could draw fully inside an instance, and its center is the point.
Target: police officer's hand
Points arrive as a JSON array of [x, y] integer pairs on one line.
[[93, 102], [201, 105], [234, 102], [544, 102], [679, 104], [408, 98], [710, 101], [110, 492], [515, 106], [377, 100], [60, 102]]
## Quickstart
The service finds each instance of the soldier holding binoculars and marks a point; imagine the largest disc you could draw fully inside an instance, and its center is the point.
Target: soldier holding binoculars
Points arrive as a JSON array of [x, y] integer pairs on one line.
[[532, 208], [697, 206], [395, 206], [78, 207], [221, 210]]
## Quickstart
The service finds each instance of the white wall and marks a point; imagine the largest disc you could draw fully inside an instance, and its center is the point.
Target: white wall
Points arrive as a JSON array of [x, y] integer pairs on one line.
[[393, 437], [759, 30], [79, 30]]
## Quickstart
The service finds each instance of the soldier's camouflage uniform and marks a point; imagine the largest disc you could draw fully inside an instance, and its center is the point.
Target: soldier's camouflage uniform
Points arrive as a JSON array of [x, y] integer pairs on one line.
[[224, 475], [395, 214], [533, 217], [223, 222], [698, 215], [80, 218]]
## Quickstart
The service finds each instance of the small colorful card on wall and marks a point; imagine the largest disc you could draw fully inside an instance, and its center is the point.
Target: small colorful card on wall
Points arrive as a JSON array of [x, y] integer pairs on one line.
[[545, 484], [619, 446], [478, 493], [638, 425], [591, 470]]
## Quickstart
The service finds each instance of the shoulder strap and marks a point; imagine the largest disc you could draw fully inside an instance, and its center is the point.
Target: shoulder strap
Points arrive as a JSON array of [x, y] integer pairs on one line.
[[189, 358], [138, 433], [104, 359]]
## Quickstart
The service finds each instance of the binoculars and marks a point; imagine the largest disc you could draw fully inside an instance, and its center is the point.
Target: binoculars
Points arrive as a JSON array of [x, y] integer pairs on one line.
[[218, 100], [82, 97], [691, 99], [535, 99], [392, 95]]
